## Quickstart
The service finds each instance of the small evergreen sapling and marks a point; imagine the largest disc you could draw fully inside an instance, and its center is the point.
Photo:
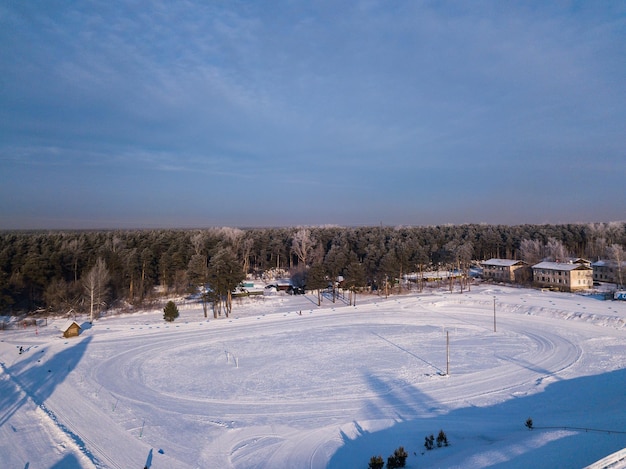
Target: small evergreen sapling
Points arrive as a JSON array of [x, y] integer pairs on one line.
[[429, 442], [170, 312], [376, 462], [397, 459], [391, 462], [400, 454], [442, 439]]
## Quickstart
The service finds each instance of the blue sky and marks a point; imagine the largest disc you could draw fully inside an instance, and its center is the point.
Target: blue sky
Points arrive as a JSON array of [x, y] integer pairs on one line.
[[279, 113]]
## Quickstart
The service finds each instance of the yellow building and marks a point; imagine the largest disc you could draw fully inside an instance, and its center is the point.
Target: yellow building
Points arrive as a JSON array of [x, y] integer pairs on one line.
[[562, 276]]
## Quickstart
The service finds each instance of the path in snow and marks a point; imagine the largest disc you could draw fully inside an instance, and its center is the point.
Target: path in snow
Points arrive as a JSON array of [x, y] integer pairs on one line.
[[286, 390]]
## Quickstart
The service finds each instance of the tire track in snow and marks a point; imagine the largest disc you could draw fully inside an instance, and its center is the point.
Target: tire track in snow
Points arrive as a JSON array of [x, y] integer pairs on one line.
[[129, 363], [550, 355], [553, 355]]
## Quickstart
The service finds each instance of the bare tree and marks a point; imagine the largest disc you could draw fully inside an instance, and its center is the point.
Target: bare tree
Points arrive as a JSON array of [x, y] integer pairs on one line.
[[302, 244], [96, 285], [197, 242], [231, 236], [556, 250], [597, 248], [616, 253], [62, 296], [531, 251], [245, 252]]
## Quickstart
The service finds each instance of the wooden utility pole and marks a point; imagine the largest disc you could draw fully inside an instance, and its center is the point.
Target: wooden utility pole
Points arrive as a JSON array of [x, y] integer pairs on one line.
[[447, 353]]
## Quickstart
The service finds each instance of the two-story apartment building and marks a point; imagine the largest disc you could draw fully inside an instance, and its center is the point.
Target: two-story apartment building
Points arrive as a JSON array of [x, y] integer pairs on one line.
[[506, 270], [563, 276], [609, 271]]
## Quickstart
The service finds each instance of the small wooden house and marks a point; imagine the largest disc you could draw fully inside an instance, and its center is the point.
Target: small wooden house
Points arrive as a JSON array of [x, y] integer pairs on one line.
[[70, 329]]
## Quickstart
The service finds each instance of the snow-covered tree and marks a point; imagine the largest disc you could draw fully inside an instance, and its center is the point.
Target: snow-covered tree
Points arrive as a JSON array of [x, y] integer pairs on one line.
[[531, 251], [96, 285], [616, 253], [302, 244], [556, 250]]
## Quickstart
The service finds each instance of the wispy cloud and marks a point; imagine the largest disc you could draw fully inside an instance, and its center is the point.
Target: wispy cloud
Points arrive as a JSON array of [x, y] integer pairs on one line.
[[307, 94]]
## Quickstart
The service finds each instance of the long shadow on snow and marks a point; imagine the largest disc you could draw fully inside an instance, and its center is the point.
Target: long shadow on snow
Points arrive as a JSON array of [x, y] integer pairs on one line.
[[38, 377], [394, 401], [68, 462], [495, 436]]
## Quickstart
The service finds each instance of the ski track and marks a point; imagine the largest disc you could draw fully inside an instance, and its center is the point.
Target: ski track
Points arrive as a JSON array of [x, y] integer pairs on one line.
[[554, 354], [551, 355], [257, 428], [81, 444]]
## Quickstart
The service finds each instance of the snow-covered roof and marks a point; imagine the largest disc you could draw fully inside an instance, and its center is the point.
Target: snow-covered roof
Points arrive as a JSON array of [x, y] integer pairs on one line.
[[503, 262], [560, 266], [578, 260], [608, 263], [66, 325]]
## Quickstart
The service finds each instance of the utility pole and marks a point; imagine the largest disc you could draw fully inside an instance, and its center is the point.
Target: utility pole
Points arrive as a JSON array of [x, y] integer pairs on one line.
[[447, 353]]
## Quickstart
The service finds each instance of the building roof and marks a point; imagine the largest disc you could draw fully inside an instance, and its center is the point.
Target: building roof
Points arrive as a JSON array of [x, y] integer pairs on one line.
[[607, 263], [578, 260], [67, 324], [560, 266], [503, 262]]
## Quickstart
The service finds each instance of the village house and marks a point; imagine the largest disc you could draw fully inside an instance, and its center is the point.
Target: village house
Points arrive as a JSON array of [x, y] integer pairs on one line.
[[563, 276], [506, 270], [608, 271]]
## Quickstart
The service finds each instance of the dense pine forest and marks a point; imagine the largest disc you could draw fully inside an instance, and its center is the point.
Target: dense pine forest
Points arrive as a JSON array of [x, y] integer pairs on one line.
[[56, 272]]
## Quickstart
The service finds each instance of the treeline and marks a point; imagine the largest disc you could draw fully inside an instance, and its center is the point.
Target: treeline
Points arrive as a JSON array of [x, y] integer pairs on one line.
[[58, 271]]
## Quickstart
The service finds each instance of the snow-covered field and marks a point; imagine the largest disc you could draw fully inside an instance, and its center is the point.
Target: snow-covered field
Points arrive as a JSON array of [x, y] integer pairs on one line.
[[286, 384]]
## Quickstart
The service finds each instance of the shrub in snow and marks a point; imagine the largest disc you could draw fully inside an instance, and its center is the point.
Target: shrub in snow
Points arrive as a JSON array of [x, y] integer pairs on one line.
[[170, 312], [397, 459], [442, 439], [529, 424], [376, 462], [429, 442]]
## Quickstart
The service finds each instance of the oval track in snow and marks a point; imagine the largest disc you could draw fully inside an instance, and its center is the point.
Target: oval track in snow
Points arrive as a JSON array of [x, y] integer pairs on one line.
[[305, 376]]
